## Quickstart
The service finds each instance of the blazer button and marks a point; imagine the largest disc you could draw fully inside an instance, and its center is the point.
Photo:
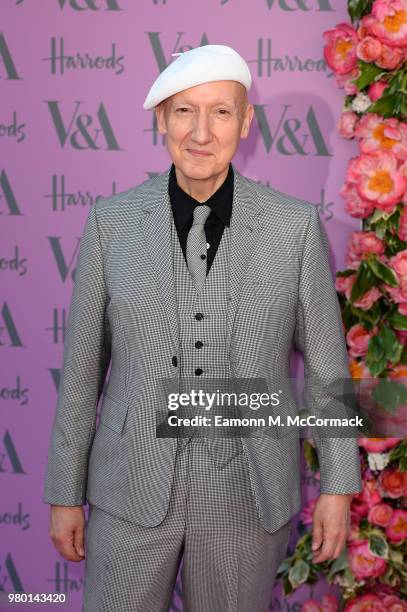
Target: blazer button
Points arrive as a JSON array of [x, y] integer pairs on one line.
[[198, 344], [174, 360], [199, 316], [198, 371]]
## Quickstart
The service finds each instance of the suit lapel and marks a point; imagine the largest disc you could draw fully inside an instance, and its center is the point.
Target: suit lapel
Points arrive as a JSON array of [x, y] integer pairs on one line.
[[245, 223], [156, 222]]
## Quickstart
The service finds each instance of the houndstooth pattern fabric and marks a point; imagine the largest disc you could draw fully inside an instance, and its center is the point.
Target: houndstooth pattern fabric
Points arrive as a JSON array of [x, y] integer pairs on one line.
[[211, 301], [196, 246], [124, 313], [229, 561]]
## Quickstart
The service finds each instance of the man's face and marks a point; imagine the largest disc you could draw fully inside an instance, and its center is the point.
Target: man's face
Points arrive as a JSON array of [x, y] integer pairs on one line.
[[203, 126]]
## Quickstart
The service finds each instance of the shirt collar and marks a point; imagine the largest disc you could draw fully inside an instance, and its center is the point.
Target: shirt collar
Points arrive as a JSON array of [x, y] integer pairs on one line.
[[183, 204]]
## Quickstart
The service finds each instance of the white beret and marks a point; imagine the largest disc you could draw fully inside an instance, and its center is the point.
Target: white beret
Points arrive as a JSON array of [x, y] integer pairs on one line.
[[196, 66]]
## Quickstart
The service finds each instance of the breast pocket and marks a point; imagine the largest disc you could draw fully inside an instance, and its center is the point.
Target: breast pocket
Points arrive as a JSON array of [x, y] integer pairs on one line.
[[275, 293], [114, 413]]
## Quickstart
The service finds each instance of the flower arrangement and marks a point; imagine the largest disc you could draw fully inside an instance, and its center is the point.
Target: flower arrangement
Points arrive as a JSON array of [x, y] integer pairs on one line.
[[371, 572], [369, 59]]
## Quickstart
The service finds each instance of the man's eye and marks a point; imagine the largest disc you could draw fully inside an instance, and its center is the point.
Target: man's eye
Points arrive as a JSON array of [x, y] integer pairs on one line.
[[223, 111], [181, 109]]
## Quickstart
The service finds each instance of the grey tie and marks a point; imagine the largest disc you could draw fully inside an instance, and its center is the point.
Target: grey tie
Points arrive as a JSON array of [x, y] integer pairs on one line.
[[196, 246]]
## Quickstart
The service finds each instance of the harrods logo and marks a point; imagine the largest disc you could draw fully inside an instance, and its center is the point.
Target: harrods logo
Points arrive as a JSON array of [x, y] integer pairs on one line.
[[267, 63], [62, 60], [62, 581], [62, 198], [90, 133]]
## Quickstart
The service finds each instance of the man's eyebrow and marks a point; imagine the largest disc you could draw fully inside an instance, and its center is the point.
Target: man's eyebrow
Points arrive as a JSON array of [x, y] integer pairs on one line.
[[215, 103]]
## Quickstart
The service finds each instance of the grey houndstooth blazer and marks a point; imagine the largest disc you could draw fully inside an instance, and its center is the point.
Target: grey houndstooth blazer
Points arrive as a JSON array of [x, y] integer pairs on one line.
[[123, 311]]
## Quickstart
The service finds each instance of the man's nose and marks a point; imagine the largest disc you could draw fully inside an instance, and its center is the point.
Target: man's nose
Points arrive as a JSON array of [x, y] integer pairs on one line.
[[201, 129]]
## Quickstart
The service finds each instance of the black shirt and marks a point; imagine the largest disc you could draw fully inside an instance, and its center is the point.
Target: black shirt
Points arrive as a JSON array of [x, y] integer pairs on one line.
[[182, 207]]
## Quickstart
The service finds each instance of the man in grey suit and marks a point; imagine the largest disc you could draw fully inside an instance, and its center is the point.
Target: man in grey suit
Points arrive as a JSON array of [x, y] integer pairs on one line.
[[198, 273]]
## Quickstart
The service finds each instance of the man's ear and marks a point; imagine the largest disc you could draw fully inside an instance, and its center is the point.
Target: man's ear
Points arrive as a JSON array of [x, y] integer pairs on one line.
[[161, 120], [247, 121]]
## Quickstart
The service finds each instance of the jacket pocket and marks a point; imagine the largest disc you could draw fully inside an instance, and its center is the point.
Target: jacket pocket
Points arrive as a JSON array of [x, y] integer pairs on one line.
[[113, 413]]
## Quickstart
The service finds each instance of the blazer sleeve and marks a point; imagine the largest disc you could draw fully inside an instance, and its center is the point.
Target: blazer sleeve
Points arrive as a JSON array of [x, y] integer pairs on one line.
[[86, 360], [319, 336]]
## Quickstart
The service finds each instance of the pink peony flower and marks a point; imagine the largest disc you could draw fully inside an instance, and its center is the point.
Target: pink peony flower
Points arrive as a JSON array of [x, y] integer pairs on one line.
[[369, 49], [363, 563], [402, 231], [365, 603], [344, 284], [393, 483], [380, 514], [346, 81], [378, 445], [397, 294], [390, 58], [390, 22], [403, 308], [346, 125], [393, 603], [382, 183], [378, 134], [398, 263], [376, 89], [358, 339], [340, 48], [370, 493], [360, 244], [396, 530], [354, 204], [366, 301]]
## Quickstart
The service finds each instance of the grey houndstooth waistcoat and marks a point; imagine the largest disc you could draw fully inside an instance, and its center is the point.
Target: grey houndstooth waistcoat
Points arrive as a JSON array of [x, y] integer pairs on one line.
[[212, 357]]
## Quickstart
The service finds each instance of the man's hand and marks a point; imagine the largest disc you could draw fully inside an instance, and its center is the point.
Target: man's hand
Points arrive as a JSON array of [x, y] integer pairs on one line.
[[66, 529], [331, 524]]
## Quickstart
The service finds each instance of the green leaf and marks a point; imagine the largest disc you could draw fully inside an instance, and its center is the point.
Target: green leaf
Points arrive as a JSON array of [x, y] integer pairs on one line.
[[375, 350], [358, 8], [396, 556], [339, 564], [376, 360], [310, 455], [378, 214], [382, 272], [378, 546], [299, 573], [345, 273], [389, 394], [403, 464], [391, 346], [368, 72], [386, 106], [381, 228], [398, 321], [364, 282]]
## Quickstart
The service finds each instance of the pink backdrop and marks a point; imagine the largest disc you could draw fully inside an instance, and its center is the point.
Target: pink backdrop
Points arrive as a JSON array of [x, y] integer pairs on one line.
[[73, 77]]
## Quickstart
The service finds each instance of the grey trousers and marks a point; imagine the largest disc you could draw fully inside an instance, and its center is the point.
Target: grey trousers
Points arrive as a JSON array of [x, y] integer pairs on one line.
[[229, 559]]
